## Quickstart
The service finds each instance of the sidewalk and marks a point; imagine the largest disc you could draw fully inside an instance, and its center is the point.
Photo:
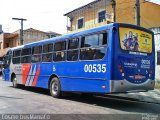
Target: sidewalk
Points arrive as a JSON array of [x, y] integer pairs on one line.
[[152, 96]]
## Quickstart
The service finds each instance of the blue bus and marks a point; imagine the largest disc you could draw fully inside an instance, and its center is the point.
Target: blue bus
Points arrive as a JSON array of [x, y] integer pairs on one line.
[[113, 58]]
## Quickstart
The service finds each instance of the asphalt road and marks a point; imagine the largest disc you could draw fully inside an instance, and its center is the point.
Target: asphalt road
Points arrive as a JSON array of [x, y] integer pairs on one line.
[[27, 100]]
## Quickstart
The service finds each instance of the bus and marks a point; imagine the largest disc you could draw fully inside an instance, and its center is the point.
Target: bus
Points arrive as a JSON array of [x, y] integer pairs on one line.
[[114, 58]]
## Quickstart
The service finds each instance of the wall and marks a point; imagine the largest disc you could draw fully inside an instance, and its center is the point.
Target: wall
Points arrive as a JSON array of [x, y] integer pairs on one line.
[[90, 15], [125, 13], [156, 31], [33, 36], [1, 40], [1, 29]]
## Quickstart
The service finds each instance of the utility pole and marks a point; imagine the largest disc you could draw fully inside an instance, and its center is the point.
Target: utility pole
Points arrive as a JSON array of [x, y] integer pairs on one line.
[[137, 15], [114, 9], [21, 30]]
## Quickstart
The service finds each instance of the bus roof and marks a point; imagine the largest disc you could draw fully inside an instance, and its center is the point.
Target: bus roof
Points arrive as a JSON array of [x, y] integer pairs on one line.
[[81, 33], [72, 35]]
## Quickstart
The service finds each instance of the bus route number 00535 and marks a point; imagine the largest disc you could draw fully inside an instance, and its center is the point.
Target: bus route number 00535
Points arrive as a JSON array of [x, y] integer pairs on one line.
[[95, 68]]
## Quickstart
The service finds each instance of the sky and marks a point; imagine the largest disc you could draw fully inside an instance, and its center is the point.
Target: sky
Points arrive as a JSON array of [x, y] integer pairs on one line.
[[44, 15]]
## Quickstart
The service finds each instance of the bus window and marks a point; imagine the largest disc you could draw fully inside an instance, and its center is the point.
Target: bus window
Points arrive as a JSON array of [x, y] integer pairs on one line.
[[26, 59], [7, 59], [47, 48], [93, 46], [59, 46], [59, 54], [72, 53], [16, 60], [36, 54], [89, 41], [26, 51], [16, 56], [36, 58], [16, 53], [37, 50], [103, 39], [47, 57], [26, 55]]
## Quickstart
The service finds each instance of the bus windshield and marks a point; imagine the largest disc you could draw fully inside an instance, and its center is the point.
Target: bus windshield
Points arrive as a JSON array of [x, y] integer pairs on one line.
[[7, 60], [135, 40]]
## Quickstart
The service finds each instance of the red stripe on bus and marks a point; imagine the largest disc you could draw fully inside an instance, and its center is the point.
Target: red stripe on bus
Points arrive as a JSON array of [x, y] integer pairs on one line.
[[36, 76], [25, 72]]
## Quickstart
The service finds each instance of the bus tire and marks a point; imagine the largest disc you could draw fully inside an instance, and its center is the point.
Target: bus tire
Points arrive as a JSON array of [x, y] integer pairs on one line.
[[15, 84], [55, 88]]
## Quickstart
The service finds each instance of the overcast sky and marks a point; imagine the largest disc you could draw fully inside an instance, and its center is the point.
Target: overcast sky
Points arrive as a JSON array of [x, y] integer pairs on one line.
[[45, 15]]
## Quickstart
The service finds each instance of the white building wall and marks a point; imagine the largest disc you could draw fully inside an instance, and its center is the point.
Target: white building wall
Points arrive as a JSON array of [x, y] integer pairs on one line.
[[157, 47]]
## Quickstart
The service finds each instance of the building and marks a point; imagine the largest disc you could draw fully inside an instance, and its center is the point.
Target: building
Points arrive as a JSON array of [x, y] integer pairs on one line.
[[100, 12], [9, 40], [33, 35]]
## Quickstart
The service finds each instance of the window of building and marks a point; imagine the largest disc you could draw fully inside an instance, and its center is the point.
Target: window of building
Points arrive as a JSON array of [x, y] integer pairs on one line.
[[158, 58], [93, 46], [80, 23], [72, 53], [59, 51], [101, 16], [7, 45]]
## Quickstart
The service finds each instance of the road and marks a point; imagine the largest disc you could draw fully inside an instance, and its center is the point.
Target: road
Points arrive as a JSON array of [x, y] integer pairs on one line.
[[27, 100]]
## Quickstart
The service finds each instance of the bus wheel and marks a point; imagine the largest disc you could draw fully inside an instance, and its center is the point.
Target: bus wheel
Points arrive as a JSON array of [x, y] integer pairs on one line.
[[55, 87], [15, 84]]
